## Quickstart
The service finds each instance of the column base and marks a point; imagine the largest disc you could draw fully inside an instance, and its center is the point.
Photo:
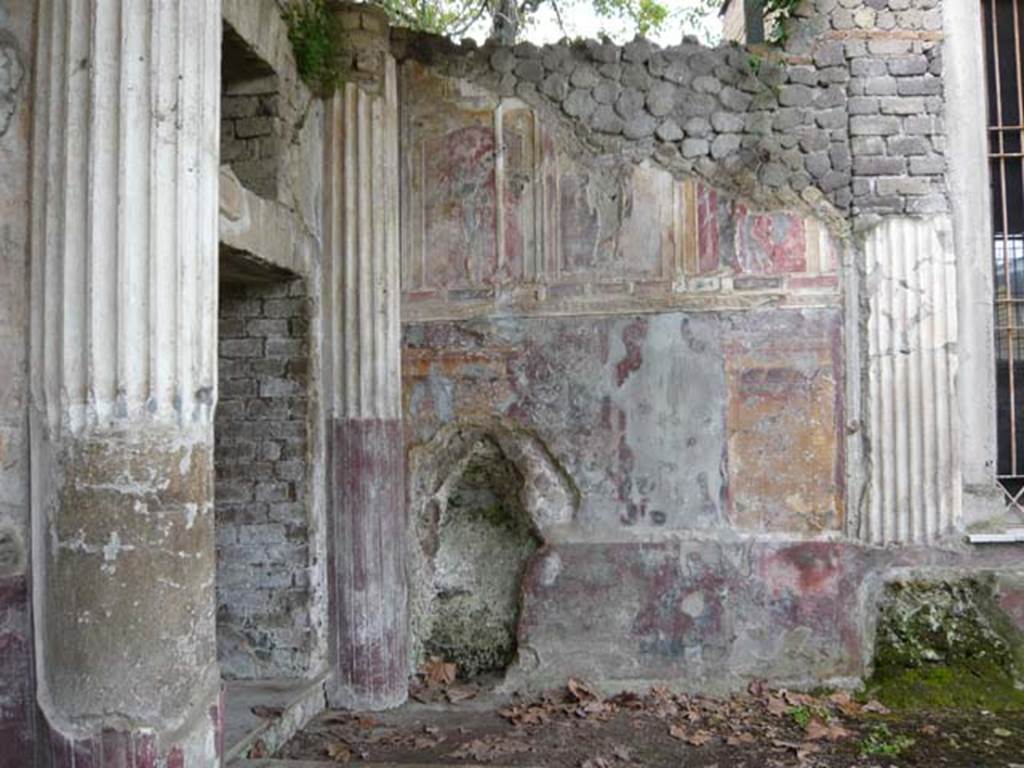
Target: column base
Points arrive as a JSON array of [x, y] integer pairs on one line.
[[198, 744]]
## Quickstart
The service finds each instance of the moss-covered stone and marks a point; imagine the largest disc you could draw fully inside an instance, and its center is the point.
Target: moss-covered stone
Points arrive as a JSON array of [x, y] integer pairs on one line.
[[946, 644]]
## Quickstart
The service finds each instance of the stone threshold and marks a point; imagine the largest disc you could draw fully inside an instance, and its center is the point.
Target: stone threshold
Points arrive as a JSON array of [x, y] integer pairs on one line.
[[1009, 536], [293, 704]]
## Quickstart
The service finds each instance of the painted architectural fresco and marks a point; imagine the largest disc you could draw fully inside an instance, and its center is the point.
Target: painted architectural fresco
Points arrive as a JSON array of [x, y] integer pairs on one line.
[[500, 209], [558, 291]]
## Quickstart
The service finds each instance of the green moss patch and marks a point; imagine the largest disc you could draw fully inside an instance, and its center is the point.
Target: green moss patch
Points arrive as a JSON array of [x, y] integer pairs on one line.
[[946, 645]]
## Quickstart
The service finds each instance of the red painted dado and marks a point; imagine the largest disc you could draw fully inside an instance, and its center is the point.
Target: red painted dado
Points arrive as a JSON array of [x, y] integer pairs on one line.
[[369, 524], [113, 748], [16, 676]]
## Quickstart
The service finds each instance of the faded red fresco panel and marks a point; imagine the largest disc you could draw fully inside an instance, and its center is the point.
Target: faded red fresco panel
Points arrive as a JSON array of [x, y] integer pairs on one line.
[[769, 243], [783, 381], [519, 191], [580, 224], [17, 699], [707, 229], [459, 208]]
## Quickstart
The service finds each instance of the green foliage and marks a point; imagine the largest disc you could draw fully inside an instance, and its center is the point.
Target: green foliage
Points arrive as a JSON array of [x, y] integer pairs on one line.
[[454, 18], [645, 15], [777, 13], [801, 716], [317, 44], [938, 687], [882, 742], [440, 17]]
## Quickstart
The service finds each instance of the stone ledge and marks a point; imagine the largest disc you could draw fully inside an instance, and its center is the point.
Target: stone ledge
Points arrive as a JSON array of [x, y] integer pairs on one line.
[[259, 24], [1009, 536], [264, 229], [302, 705]]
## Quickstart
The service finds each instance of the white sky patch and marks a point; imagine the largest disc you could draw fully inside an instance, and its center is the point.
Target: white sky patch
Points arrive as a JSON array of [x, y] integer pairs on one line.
[[582, 22]]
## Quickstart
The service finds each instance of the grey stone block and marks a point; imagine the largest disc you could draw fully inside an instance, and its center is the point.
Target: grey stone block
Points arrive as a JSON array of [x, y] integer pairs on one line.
[[862, 125], [579, 103], [669, 130], [695, 147], [661, 99], [635, 76], [555, 86], [584, 76], [639, 126], [629, 103], [697, 127], [727, 122], [604, 120], [530, 70], [875, 165], [606, 92], [908, 145], [915, 64], [725, 145], [503, 61]]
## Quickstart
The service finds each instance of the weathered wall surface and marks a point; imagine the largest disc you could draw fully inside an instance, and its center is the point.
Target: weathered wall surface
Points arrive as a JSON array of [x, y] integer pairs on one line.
[[673, 421], [650, 259], [17, 702], [264, 610]]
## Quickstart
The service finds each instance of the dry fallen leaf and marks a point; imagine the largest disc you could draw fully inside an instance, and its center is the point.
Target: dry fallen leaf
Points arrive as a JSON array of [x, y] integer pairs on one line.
[[457, 693], [436, 672], [877, 707], [777, 706], [580, 691], [804, 751], [339, 751], [699, 738]]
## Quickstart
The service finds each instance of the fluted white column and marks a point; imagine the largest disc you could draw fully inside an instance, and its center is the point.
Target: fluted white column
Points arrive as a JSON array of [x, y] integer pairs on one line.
[[363, 356], [124, 281], [912, 335]]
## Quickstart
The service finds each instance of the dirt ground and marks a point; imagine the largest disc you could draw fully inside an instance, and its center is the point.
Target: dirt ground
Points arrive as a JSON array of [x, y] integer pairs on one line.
[[450, 723]]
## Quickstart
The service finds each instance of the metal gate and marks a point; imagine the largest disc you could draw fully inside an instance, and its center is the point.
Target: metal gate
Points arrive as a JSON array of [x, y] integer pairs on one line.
[[1004, 28]]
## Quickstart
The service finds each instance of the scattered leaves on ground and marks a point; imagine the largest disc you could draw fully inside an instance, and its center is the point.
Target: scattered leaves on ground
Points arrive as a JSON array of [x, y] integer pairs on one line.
[[579, 727]]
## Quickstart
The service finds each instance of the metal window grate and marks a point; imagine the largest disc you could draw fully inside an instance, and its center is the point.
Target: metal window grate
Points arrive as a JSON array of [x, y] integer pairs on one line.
[[1004, 64]]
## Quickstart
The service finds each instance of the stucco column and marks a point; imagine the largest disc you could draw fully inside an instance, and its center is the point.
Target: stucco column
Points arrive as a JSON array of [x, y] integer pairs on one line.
[[363, 359], [912, 382], [123, 350]]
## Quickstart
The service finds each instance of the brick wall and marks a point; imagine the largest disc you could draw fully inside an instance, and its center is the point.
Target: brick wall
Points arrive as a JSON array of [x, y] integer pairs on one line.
[[250, 140], [263, 552]]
